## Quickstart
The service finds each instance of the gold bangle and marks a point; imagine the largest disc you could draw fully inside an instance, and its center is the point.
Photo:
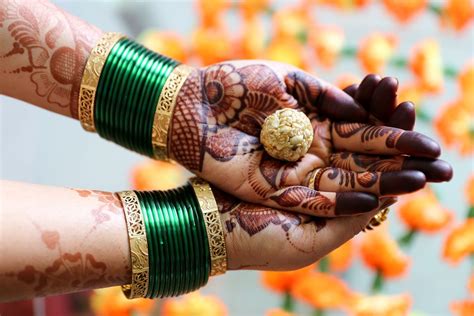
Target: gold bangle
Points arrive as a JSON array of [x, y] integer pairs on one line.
[[215, 233], [164, 110], [378, 219], [90, 78], [316, 178], [138, 246]]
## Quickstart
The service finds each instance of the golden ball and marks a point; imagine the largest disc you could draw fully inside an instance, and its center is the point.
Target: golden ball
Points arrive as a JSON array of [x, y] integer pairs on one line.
[[287, 134]]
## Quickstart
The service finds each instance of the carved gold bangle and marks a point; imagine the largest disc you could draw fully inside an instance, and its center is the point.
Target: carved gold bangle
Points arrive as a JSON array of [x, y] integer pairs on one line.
[[138, 246], [90, 78], [215, 233], [164, 110], [378, 219]]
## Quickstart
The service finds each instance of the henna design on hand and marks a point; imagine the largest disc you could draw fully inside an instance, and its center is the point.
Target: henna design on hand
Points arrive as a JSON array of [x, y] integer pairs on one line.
[[111, 205], [369, 133]]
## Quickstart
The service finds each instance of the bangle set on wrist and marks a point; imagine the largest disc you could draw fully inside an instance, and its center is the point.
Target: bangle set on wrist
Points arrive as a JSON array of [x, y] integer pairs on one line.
[[176, 240]]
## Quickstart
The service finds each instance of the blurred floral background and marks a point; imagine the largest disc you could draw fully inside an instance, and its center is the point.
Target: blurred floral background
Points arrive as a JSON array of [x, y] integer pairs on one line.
[[420, 263]]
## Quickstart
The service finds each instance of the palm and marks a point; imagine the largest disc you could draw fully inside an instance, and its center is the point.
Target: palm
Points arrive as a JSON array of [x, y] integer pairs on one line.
[[215, 133]]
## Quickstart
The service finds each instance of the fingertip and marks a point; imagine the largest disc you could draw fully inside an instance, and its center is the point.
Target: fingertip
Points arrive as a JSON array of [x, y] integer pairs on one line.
[[350, 203], [351, 90], [435, 170], [416, 144], [404, 116], [366, 89], [384, 98], [339, 105], [401, 182]]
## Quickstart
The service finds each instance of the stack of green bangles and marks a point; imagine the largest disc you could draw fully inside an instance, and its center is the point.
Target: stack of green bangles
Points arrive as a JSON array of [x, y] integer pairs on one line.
[[127, 95]]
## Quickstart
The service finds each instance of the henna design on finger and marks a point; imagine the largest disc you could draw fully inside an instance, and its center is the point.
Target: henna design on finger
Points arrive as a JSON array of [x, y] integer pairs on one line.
[[306, 89], [304, 197], [361, 162], [369, 133]]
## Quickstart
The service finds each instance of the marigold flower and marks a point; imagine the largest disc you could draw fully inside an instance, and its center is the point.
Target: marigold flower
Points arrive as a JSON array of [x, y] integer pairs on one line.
[[375, 51], [470, 285], [346, 4], [463, 308], [194, 304], [112, 302], [346, 80], [457, 13], [460, 242], [252, 42], [278, 312], [158, 175], [470, 190], [327, 42], [292, 23], [340, 259], [427, 66], [211, 11], [381, 252], [410, 92], [386, 305], [287, 50], [322, 290], [454, 125], [422, 211], [282, 282], [404, 10], [250, 8], [166, 43], [466, 84], [212, 45]]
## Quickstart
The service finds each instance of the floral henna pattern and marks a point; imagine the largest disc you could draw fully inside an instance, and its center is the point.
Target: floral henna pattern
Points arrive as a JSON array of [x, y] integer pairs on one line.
[[302, 196], [224, 92], [36, 34], [369, 133], [111, 205], [360, 162], [305, 88]]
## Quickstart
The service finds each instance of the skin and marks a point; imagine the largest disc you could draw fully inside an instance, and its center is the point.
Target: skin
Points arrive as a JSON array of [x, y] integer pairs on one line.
[[72, 240]]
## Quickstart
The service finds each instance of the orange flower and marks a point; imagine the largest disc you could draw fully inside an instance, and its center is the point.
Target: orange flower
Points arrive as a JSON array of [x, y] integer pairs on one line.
[[292, 23], [460, 242], [453, 124], [457, 13], [278, 312], [410, 92], [158, 175], [346, 4], [422, 211], [322, 290], [327, 42], [112, 302], [470, 285], [250, 8], [393, 305], [380, 252], [165, 43], [463, 308], [287, 50], [466, 84], [340, 258], [470, 190], [281, 282], [404, 10], [375, 51], [252, 43], [212, 45], [427, 66], [194, 304], [211, 12]]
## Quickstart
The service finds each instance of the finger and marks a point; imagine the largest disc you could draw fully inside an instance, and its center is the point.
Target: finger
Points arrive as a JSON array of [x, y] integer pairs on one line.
[[384, 99], [366, 90], [325, 204], [351, 90], [403, 117], [321, 97], [382, 140], [435, 170], [332, 179], [337, 231]]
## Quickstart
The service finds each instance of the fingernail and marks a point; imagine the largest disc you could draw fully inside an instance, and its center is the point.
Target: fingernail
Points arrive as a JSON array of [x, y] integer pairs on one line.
[[350, 203]]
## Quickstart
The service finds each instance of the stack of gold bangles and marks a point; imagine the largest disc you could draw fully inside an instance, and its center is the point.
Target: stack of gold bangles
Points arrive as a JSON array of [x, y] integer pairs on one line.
[[127, 95]]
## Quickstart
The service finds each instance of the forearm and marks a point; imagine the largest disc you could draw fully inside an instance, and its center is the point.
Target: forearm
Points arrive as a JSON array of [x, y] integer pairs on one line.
[[43, 53], [58, 240]]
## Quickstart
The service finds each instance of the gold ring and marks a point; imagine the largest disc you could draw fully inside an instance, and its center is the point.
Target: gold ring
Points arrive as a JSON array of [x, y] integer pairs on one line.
[[316, 178], [215, 233], [378, 219], [90, 78], [164, 110], [138, 246]]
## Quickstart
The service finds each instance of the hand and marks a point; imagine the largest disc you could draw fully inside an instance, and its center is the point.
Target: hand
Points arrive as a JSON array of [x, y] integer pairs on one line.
[[263, 238], [216, 125]]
